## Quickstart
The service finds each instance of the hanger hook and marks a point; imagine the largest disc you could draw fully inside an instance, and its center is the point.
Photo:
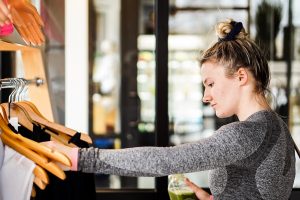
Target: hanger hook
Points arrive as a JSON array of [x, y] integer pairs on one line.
[[10, 97], [24, 88]]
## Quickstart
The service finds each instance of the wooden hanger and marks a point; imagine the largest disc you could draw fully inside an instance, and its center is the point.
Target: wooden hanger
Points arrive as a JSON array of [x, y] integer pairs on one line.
[[41, 174], [41, 178], [35, 146], [38, 117], [57, 136], [24, 118], [33, 192], [30, 149], [28, 112], [42, 185], [26, 121], [38, 159]]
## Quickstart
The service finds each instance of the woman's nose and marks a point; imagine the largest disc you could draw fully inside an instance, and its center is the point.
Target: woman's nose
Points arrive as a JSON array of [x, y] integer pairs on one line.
[[206, 98]]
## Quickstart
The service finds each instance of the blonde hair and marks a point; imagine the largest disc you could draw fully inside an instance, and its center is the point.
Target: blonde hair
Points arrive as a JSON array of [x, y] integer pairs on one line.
[[235, 50]]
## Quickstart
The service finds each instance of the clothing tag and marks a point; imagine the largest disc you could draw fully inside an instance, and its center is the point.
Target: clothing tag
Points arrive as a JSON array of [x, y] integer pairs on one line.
[[14, 121]]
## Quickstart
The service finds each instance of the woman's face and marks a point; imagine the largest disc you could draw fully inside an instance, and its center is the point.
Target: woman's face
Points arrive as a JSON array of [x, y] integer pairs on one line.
[[221, 92]]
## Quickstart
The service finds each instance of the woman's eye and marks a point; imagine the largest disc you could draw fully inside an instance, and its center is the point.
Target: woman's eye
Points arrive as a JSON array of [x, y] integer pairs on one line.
[[210, 84]]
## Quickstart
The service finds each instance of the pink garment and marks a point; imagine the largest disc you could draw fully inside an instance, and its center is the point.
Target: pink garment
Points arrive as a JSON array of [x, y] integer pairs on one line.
[[211, 197], [6, 29]]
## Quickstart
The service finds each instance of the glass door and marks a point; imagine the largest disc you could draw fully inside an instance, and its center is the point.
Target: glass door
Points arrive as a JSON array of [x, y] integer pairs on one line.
[[121, 115]]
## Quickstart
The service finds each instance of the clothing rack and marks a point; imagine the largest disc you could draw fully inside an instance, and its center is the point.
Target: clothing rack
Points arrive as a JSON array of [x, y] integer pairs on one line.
[[19, 87], [33, 67], [11, 82]]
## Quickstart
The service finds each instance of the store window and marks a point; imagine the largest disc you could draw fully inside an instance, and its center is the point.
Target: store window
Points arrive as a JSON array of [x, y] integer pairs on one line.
[[123, 86], [189, 119]]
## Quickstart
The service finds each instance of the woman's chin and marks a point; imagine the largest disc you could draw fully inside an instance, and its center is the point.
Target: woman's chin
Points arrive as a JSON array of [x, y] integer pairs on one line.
[[222, 114]]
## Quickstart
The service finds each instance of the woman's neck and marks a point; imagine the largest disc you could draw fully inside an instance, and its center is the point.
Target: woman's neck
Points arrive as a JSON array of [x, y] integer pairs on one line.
[[251, 106]]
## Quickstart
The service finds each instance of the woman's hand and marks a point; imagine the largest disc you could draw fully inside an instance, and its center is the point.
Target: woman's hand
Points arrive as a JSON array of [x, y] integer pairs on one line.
[[70, 152], [199, 192]]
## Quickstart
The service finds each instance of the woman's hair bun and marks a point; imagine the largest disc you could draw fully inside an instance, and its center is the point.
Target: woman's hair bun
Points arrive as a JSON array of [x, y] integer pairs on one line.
[[230, 30]]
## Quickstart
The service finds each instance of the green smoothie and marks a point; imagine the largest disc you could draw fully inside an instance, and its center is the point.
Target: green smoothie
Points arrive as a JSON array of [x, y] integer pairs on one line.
[[182, 194]]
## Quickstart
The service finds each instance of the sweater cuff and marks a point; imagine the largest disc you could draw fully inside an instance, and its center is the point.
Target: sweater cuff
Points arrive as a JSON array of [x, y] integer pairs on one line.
[[79, 167]]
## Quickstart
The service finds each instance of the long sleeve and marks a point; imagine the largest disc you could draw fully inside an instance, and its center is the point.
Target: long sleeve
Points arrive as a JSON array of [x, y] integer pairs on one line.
[[229, 144]]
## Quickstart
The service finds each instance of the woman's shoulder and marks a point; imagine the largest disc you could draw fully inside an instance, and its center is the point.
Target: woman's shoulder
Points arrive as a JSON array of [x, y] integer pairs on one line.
[[244, 126], [245, 130], [257, 120]]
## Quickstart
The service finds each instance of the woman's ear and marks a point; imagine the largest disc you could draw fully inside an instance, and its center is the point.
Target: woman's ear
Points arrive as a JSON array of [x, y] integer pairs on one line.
[[242, 75]]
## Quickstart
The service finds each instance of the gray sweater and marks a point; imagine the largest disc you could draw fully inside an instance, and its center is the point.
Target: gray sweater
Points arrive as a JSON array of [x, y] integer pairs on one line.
[[252, 159]]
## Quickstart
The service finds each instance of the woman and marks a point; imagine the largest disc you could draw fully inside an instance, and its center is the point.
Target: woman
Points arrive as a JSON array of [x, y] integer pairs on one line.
[[249, 159]]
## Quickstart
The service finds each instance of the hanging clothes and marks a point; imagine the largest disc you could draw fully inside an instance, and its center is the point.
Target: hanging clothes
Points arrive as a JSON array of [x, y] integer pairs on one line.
[[16, 176], [76, 186]]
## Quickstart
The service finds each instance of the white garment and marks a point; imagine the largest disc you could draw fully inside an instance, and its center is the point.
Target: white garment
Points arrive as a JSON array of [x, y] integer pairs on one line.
[[16, 176]]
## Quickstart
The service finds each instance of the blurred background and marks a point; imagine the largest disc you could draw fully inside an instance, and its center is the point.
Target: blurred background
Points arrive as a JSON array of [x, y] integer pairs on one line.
[[102, 69]]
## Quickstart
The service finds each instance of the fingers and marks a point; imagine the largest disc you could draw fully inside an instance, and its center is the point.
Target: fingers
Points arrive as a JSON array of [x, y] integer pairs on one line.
[[17, 20], [35, 31], [5, 16], [3, 19], [24, 34], [30, 31], [200, 193], [194, 187], [20, 26], [36, 15], [28, 22]]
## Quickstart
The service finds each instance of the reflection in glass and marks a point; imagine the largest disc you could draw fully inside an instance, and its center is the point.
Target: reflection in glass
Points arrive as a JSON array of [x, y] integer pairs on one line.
[[53, 14], [211, 3], [191, 22], [106, 80], [108, 72]]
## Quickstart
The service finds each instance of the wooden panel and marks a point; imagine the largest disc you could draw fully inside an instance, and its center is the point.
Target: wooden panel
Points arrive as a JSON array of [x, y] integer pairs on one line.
[[7, 46], [33, 68]]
